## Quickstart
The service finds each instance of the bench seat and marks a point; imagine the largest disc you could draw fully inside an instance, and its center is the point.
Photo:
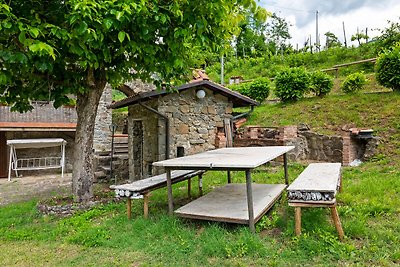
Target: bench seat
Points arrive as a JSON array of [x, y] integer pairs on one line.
[[142, 188], [316, 186]]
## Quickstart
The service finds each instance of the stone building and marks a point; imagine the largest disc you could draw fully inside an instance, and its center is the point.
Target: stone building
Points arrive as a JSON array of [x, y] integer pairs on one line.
[[187, 120]]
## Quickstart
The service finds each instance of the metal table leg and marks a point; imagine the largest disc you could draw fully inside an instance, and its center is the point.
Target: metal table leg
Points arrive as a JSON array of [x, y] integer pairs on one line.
[[170, 196], [285, 161], [250, 201]]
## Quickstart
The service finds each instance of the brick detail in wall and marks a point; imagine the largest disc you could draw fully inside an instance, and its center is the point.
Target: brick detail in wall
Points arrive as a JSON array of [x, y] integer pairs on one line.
[[349, 150], [287, 133]]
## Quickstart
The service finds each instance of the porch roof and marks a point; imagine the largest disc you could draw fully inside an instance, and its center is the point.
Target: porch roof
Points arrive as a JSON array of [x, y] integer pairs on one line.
[[237, 99]]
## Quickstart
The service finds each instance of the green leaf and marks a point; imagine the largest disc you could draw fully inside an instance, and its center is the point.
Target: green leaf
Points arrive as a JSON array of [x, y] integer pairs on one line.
[[34, 47], [34, 32], [7, 24], [121, 36], [22, 37], [108, 23], [82, 27], [119, 15]]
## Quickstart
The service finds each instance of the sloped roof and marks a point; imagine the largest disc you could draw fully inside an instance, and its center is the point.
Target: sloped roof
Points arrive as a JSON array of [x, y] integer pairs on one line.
[[237, 99]]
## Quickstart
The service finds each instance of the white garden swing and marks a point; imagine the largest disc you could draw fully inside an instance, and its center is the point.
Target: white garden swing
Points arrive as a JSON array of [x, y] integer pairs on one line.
[[35, 163]]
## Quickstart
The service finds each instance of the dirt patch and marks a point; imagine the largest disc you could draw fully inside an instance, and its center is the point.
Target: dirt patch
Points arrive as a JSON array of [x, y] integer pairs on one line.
[[34, 187]]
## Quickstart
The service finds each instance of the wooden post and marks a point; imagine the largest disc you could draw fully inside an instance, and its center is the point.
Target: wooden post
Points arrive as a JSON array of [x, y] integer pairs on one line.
[[201, 184], [189, 186], [336, 221], [146, 205], [129, 208], [285, 161], [297, 215], [170, 196], [250, 201], [229, 177]]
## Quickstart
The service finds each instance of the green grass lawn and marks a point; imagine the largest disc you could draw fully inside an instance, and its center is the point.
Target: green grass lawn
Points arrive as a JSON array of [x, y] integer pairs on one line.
[[369, 208]]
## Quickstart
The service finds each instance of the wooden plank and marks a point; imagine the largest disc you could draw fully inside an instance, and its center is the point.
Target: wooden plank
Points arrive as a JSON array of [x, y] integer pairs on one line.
[[229, 203], [338, 224], [228, 132], [151, 182], [297, 215], [318, 177], [355, 62], [313, 204]]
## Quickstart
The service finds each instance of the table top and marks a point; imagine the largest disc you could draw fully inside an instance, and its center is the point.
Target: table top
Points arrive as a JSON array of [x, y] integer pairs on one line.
[[227, 158]]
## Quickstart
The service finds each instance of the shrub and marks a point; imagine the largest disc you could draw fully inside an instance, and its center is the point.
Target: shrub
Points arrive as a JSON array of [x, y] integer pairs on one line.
[[257, 90], [291, 84], [354, 82], [388, 68], [321, 83]]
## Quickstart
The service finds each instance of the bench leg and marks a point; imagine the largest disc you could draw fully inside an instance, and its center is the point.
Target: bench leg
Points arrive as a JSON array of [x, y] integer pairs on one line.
[[336, 221], [229, 177], [146, 205], [297, 216], [201, 184], [129, 208], [189, 187]]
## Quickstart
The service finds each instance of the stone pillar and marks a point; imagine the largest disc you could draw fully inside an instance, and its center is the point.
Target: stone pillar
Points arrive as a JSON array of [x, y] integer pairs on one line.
[[102, 133]]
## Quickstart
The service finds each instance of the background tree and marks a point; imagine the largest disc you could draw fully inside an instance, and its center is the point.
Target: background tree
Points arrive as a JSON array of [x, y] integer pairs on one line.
[[332, 40], [278, 33], [389, 36], [251, 40], [359, 36], [55, 48]]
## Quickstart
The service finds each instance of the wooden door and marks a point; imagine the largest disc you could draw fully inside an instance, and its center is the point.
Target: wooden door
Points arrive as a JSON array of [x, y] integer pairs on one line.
[[137, 149], [3, 155]]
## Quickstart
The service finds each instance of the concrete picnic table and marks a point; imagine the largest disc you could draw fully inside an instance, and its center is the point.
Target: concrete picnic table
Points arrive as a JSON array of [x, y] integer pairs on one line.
[[228, 203]]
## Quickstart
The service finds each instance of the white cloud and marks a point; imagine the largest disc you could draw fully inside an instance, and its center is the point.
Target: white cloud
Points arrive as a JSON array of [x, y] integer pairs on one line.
[[362, 14]]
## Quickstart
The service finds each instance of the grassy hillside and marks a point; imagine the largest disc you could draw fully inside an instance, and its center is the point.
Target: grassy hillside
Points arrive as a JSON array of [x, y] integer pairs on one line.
[[268, 66], [328, 115]]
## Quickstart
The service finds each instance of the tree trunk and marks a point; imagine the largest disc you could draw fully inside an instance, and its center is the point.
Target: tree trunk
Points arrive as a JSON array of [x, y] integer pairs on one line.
[[83, 173]]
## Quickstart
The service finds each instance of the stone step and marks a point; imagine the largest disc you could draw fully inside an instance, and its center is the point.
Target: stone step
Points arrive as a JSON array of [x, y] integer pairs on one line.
[[99, 175], [121, 151]]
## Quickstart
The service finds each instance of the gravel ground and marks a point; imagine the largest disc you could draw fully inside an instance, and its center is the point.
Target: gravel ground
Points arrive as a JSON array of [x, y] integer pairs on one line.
[[38, 187]]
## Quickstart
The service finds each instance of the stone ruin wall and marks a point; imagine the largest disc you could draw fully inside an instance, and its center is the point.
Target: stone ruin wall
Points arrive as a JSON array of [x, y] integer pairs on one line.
[[309, 145]]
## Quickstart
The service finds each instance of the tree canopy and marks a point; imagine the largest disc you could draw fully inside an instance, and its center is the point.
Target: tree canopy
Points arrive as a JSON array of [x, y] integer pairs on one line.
[[54, 48]]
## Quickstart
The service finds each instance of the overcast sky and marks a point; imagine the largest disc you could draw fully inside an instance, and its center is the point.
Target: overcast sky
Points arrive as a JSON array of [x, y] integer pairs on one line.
[[363, 14]]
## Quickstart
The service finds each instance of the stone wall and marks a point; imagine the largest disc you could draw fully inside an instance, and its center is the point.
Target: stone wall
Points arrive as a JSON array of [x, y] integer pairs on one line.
[[318, 147], [102, 133], [308, 145], [149, 150], [193, 125], [194, 122]]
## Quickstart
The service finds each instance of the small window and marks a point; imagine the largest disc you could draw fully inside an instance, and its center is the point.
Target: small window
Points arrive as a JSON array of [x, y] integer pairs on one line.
[[180, 152]]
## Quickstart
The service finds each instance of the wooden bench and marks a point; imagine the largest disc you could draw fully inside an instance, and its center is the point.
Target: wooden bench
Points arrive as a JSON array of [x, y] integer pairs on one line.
[[142, 188], [316, 186]]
